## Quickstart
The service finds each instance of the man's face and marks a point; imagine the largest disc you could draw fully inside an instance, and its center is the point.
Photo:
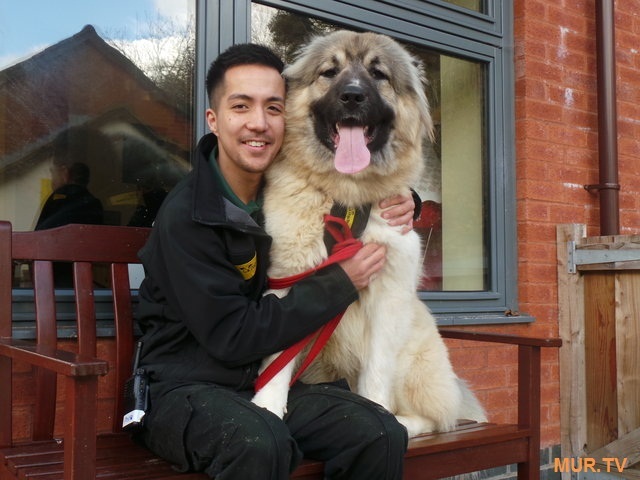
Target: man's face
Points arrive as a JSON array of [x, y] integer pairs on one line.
[[248, 119], [59, 176]]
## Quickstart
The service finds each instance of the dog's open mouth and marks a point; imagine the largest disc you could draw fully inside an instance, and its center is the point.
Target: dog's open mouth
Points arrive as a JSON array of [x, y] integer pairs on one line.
[[351, 152]]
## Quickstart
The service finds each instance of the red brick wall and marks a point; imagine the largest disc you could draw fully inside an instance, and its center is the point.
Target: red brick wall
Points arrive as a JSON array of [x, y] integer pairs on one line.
[[628, 89], [556, 154]]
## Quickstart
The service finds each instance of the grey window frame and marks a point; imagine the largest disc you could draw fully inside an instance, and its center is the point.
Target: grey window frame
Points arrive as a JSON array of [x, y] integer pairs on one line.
[[485, 37]]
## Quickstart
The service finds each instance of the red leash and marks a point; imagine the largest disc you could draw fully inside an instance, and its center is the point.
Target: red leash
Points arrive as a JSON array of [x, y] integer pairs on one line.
[[346, 247]]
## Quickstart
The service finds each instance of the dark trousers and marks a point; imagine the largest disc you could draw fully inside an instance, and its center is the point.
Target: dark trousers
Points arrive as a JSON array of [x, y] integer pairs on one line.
[[220, 432]]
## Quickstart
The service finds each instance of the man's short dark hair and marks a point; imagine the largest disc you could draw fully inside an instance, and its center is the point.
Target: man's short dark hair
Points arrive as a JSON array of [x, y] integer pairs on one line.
[[240, 54], [79, 174]]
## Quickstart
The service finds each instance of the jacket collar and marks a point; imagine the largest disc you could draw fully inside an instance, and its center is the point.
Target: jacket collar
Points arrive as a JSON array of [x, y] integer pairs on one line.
[[210, 207]]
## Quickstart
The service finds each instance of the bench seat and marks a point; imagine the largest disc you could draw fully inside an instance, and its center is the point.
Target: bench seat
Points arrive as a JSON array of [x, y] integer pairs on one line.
[[471, 446]]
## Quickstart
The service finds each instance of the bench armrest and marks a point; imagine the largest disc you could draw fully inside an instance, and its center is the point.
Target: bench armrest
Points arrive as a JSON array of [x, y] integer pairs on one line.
[[60, 361], [500, 338]]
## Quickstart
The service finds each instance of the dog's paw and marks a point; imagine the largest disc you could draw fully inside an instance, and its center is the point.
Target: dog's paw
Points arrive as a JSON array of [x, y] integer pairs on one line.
[[416, 425], [275, 402]]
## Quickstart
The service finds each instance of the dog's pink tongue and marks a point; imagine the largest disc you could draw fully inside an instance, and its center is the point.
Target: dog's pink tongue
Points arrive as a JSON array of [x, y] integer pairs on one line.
[[352, 154]]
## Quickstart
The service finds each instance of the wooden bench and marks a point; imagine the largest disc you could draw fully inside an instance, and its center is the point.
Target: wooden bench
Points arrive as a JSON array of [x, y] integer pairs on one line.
[[81, 454]]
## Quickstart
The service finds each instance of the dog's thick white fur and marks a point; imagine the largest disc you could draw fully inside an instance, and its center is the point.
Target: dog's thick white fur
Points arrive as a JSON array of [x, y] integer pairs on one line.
[[387, 345]]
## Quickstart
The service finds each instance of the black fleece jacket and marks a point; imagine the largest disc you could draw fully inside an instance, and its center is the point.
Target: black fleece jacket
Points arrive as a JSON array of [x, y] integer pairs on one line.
[[202, 309]]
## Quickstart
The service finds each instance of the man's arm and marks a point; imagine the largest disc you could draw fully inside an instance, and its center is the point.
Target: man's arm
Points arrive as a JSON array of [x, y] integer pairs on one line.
[[202, 288]]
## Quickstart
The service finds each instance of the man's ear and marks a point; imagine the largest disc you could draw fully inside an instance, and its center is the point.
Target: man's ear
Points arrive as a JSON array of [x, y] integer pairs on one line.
[[212, 121]]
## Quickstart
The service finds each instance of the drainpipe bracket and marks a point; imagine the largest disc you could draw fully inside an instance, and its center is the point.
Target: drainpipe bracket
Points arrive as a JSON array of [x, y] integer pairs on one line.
[[601, 186]]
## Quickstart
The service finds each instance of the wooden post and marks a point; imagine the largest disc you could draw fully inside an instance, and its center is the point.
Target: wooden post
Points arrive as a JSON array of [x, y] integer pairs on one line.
[[572, 362], [600, 358], [627, 300]]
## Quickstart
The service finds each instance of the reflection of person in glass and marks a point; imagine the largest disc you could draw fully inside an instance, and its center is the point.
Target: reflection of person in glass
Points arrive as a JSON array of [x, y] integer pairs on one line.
[[150, 200], [70, 201]]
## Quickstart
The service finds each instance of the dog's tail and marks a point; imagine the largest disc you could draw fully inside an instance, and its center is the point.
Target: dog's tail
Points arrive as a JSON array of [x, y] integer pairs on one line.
[[470, 408]]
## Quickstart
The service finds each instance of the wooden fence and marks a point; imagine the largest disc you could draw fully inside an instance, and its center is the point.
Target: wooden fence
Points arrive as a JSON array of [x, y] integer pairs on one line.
[[599, 309]]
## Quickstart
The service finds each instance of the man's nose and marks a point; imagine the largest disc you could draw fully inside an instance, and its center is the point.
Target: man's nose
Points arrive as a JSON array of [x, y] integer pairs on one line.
[[258, 120]]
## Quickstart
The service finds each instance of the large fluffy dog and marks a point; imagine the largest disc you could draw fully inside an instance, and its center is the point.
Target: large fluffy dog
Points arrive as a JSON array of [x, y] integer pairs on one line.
[[357, 117]]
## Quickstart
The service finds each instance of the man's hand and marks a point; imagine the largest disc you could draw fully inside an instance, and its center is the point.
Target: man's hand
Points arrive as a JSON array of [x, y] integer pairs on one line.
[[399, 210], [365, 264]]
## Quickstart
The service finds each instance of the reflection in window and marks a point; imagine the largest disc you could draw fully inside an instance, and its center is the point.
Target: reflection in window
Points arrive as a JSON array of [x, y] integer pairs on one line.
[[95, 114], [475, 5], [454, 218]]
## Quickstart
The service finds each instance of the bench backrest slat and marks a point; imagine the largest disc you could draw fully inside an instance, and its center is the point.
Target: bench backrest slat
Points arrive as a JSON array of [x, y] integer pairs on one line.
[[6, 273], [123, 329], [85, 308], [46, 335]]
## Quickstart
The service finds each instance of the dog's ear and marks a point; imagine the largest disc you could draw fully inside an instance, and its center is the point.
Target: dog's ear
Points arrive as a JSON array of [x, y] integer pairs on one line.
[[418, 64], [420, 85]]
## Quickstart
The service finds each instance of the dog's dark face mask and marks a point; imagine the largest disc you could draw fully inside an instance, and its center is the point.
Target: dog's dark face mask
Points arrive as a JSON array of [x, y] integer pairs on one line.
[[352, 119]]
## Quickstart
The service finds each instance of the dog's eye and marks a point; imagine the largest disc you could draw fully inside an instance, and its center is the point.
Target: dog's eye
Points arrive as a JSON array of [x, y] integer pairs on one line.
[[379, 74], [329, 73]]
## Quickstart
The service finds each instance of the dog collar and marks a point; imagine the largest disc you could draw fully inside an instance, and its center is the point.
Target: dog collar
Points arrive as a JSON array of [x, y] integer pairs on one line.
[[356, 217]]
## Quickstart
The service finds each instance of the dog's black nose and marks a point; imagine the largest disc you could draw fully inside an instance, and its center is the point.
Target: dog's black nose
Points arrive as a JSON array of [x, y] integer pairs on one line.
[[352, 95]]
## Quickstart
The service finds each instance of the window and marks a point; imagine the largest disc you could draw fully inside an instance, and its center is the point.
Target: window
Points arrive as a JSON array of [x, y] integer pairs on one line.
[[452, 224], [96, 110], [467, 222]]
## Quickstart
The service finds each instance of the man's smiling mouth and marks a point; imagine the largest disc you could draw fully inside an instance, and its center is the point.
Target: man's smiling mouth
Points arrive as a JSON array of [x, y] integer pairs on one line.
[[253, 143]]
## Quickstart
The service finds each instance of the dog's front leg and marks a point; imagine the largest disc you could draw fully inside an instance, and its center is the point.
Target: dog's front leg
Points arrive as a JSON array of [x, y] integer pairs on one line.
[[273, 396], [388, 313], [379, 368]]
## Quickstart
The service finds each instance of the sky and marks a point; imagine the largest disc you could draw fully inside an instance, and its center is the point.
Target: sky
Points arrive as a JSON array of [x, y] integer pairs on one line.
[[29, 26]]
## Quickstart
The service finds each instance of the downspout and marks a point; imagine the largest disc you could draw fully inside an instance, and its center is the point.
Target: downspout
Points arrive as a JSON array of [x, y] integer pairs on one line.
[[607, 117]]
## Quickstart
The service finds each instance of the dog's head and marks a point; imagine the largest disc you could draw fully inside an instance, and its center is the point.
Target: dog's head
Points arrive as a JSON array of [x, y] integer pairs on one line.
[[356, 107]]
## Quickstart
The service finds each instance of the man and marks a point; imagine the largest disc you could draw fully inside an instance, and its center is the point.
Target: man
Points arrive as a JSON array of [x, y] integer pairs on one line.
[[71, 201], [207, 325]]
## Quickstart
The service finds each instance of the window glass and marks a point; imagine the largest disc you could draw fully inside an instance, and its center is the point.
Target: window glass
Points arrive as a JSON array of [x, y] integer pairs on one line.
[[95, 109], [454, 219], [475, 5]]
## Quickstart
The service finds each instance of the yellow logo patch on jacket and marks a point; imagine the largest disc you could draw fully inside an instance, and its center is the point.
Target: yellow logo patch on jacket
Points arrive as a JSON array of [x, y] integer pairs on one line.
[[248, 269]]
